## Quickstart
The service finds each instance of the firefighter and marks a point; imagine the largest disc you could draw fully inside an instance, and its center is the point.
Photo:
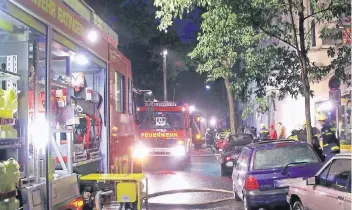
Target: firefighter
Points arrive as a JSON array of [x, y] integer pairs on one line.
[[264, 132], [328, 142], [209, 138], [315, 139]]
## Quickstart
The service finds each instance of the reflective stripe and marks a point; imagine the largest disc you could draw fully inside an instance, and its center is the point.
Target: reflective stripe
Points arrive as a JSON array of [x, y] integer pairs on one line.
[[335, 148], [265, 131]]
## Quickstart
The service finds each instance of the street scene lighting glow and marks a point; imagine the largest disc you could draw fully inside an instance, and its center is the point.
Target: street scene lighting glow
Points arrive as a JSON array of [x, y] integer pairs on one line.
[[93, 35], [207, 87], [213, 121], [81, 59], [192, 108], [326, 106], [164, 52]]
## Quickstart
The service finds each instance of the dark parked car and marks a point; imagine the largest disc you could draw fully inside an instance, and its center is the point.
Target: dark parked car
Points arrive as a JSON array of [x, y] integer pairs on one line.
[[231, 149], [261, 167]]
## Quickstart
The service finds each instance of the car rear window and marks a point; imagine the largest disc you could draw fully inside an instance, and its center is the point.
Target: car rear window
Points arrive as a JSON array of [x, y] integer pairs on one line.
[[237, 142], [280, 156], [241, 140]]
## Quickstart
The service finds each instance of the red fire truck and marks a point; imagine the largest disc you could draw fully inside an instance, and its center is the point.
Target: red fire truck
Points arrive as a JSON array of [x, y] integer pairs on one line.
[[164, 130]]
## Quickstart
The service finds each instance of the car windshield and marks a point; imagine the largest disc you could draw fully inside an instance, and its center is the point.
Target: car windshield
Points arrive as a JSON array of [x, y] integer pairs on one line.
[[161, 120], [280, 156]]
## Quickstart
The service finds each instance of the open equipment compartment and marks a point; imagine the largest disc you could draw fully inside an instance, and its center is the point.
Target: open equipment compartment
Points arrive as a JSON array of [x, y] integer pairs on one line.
[[78, 91]]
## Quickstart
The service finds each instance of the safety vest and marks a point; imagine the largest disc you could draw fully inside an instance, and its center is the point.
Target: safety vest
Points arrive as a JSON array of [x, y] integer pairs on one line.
[[329, 143], [264, 133]]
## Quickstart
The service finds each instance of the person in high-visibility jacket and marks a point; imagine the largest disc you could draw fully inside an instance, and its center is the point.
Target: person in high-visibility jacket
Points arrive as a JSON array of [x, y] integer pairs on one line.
[[328, 142], [264, 132]]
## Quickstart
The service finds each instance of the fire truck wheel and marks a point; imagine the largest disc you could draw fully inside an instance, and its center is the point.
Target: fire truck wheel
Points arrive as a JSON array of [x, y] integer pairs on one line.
[[185, 162]]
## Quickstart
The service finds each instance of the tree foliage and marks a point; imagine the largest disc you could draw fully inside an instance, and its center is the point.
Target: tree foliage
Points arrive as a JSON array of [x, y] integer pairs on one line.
[[282, 61], [222, 45]]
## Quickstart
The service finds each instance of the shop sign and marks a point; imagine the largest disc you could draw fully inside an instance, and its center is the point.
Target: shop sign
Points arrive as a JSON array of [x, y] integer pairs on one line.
[[58, 14]]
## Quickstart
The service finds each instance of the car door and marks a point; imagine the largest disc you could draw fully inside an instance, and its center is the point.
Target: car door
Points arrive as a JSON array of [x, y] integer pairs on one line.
[[240, 171], [331, 189]]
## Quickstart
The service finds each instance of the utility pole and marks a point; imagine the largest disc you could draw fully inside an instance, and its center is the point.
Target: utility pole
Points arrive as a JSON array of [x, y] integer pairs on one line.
[[164, 53]]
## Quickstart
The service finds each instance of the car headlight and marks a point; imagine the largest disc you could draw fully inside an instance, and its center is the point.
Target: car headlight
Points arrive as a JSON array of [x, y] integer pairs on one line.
[[140, 151], [178, 151]]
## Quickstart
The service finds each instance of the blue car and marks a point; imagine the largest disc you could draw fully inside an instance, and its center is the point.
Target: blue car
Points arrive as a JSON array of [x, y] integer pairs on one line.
[[263, 170]]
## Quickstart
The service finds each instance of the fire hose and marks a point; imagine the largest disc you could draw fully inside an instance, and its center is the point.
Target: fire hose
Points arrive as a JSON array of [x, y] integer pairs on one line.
[[198, 205]]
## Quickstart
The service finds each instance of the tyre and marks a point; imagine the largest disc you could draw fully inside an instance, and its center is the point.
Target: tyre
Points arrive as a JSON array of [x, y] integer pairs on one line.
[[237, 198], [246, 205], [185, 162], [297, 206], [223, 171]]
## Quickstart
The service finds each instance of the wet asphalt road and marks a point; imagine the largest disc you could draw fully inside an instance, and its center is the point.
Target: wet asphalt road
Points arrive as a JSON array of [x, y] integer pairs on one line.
[[203, 172]]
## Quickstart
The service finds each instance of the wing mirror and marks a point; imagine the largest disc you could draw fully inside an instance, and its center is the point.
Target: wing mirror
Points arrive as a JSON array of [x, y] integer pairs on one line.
[[312, 181]]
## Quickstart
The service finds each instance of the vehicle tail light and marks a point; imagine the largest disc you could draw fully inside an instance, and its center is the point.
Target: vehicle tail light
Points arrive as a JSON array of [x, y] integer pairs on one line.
[[251, 183], [228, 158]]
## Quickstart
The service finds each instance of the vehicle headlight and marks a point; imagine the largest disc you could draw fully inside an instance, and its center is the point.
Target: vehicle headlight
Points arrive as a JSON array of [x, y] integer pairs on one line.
[[178, 151], [140, 151]]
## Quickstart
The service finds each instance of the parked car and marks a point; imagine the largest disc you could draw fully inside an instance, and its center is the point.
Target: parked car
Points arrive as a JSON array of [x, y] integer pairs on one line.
[[231, 150], [329, 189], [261, 164]]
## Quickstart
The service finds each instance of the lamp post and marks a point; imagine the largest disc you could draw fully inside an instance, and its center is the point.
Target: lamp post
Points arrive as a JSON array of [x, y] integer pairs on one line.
[[164, 53]]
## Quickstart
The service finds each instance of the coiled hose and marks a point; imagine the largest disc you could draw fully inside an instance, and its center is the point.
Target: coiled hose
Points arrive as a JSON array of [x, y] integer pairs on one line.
[[199, 205]]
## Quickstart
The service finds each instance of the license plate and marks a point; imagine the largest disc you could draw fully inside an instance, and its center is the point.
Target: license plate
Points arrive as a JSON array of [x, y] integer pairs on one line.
[[286, 182], [159, 150], [229, 164]]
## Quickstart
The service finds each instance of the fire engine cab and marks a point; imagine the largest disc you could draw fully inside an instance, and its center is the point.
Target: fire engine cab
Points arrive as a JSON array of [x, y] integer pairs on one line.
[[164, 130]]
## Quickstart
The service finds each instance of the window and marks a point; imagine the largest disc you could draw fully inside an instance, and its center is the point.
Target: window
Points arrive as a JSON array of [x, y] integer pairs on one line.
[[281, 155], [336, 175], [130, 97], [161, 120], [243, 159], [119, 91]]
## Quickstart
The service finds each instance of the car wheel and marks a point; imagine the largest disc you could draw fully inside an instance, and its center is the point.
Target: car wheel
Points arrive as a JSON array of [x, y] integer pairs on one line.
[[223, 171], [237, 198], [297, 206], [246, 205]]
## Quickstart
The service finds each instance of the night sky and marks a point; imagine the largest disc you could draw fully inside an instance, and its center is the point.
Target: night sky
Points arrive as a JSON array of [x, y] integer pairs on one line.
[[135, 23]]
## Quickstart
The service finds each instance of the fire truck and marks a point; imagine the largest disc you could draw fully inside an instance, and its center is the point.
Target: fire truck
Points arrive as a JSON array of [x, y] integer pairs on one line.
[[67, 105], [164, 129]]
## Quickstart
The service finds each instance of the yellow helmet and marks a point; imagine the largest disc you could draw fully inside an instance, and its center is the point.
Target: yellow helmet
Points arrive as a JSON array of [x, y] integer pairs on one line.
[[322, 117], [262, 125]]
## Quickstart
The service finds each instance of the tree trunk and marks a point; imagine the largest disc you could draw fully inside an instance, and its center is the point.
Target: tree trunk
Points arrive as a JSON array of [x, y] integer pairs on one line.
[[304, 73], [231, 104]]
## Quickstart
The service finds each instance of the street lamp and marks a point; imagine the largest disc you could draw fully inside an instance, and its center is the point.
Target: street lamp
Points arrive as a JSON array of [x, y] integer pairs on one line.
[[207, 87], [164, 54]]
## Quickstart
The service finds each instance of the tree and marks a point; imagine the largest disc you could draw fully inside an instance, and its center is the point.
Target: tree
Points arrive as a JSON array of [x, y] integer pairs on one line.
[[285, 66], [221, 42]]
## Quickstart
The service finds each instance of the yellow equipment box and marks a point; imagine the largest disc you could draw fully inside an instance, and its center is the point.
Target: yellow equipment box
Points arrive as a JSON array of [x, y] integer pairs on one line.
[[129, 188]]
